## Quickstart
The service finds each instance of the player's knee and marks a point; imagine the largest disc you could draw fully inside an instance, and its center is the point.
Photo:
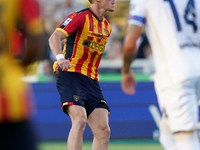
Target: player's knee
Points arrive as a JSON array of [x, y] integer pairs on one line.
[[79, 124], [103, 132], [185, 135], [106, 131]]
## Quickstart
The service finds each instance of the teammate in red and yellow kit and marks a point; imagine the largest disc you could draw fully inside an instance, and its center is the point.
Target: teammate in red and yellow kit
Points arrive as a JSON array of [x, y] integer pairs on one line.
[[86, 33], [19, 22]]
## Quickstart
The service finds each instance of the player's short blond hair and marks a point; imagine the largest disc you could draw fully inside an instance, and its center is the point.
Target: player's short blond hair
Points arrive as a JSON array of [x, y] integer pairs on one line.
[[90, 1]]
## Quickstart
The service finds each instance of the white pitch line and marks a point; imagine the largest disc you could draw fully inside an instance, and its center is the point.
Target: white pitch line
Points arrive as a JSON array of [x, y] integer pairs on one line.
[[155, 114]]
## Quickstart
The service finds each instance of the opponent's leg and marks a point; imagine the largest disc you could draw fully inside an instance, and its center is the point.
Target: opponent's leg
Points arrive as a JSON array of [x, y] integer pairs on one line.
[[166, 136], [187, 140], [98, 122], [78, 118]]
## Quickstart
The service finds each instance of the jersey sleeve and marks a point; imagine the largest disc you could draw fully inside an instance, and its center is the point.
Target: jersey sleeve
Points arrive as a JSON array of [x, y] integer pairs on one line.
[[137, 12], [70, 24], [30, 16]]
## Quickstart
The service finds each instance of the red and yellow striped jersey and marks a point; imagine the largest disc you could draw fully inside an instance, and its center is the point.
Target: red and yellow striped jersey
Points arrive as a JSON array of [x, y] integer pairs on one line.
[[15, 103], [86, 36]]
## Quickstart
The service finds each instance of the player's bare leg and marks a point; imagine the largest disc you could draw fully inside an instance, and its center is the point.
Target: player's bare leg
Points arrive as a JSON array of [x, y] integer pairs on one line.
[[78, 117], [98, 122]]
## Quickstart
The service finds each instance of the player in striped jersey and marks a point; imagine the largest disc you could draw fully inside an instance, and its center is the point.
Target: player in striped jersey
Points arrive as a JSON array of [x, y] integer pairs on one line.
[[172, 27], [86, 33], [20, 26]]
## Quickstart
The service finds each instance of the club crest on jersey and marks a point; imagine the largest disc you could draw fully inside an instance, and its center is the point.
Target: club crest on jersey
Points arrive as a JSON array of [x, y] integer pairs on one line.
[[76, 97], [67, 21]]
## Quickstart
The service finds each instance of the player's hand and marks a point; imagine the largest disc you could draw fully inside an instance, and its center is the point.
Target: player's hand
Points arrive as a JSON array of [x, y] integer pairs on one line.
[[128, 83], [64, 63]]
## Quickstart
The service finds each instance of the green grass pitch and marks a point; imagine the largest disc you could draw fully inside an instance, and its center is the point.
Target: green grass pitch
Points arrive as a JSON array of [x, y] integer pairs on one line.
[[113, 145]]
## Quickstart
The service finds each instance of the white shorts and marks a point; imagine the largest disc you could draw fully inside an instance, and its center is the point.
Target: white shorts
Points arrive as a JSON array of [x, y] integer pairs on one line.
[[180, 104]]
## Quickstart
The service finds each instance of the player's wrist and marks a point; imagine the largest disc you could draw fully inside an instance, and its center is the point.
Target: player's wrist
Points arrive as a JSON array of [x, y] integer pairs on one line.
[[59, 56], [125, 70]]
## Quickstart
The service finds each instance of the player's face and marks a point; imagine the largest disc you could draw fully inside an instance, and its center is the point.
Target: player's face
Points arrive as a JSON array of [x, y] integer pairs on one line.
[[108, 5]]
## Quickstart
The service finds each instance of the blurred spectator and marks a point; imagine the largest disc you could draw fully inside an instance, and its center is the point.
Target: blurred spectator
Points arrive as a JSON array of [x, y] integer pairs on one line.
[[142, 46], [144, 52], [113, 48], [63, 10], [116, 50], [45, 72]]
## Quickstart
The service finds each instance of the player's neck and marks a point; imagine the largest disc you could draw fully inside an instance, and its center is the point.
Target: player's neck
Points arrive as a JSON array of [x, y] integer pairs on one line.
[[98, 11]]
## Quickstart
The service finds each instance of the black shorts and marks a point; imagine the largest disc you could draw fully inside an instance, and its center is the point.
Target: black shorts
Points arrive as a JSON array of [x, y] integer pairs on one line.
[[17, 136], [78, 89]]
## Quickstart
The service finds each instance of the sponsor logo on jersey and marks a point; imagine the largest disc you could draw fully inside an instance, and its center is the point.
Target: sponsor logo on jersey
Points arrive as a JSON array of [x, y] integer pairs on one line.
[[67, 21], [93, 45]]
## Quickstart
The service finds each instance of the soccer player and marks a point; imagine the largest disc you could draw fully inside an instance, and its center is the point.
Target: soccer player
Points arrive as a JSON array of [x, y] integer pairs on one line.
[[21, 36], [86, 33], [172, 27]]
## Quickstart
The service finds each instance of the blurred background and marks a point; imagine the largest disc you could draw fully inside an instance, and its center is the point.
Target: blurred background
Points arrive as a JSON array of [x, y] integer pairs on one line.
[[134, 120]]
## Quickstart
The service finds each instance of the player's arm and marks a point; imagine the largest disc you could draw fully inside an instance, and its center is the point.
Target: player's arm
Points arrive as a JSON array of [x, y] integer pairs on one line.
[[35, 48], [129, 46], [129, 54], [65, 29], [55, 42], [56, 48]]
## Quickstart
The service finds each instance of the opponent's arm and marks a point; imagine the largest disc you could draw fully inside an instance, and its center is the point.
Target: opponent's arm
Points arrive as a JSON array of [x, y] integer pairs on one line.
[[129, 54], [56, 48], [129, 46]]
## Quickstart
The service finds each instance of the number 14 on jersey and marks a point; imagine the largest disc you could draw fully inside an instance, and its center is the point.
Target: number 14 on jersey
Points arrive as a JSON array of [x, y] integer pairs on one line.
[[189, 15]]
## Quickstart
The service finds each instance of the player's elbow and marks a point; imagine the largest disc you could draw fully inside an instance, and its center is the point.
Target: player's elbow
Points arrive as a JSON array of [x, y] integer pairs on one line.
[[51, 39], [56, 38], [130, 48]]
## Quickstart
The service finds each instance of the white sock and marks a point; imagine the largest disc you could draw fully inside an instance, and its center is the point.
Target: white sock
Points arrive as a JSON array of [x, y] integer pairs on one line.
[[166, 137], [187, 140]]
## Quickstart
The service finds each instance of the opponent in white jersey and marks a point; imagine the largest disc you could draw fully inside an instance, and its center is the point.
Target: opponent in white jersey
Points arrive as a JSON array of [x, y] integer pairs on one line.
[[173, 30]]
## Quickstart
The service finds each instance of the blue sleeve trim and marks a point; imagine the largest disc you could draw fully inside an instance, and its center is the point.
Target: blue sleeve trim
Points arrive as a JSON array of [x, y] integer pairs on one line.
[[137, 18]]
